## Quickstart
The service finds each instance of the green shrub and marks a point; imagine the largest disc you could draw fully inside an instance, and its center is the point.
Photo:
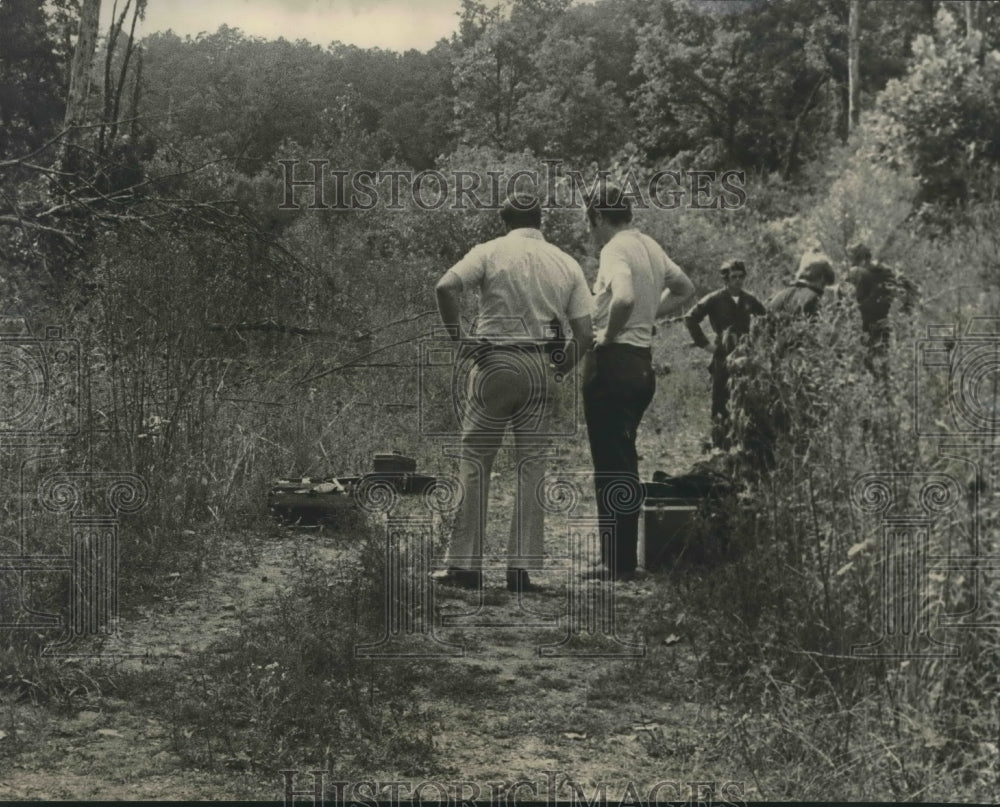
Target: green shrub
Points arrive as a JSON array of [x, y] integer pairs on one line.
[[944, 115]]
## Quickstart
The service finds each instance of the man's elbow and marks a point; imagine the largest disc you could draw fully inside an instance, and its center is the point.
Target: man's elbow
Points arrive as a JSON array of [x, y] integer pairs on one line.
[[684, 290], [447, 301], [449, 283], [583, 334], [624, 303]]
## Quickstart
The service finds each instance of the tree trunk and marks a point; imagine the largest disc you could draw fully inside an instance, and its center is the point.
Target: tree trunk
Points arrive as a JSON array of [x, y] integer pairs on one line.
[[791, 154], [971, 20], [79, 79], [129, 50], [930, 12], [853, 68], [136, 91]]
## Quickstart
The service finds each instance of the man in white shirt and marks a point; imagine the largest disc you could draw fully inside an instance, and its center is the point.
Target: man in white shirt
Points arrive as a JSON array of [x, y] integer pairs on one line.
[[524, 284], [636, 285]]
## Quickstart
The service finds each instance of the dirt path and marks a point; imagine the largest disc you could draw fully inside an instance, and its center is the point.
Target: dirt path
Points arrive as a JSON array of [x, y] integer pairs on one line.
[[543, 715], [560, 722], [110, 749]]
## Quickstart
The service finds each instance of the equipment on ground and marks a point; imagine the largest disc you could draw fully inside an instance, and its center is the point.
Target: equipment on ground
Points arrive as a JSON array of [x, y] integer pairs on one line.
[[683, 520], [309, 501]]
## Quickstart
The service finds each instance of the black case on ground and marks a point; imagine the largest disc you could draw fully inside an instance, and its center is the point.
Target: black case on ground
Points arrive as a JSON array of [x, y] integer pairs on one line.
[[681, 522]]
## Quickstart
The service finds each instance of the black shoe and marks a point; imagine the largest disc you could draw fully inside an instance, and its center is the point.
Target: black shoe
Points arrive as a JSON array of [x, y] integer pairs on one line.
[[518, 580], [459, 578]]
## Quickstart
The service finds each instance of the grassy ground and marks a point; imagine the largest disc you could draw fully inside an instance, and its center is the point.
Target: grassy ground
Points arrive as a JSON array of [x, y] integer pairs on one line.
[[250, 669]]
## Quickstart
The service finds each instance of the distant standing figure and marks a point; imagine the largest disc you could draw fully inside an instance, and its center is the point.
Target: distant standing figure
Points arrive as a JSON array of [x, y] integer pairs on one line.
[[729, 311], [768, 415], [874, 290], [876, 287], [803, 297]]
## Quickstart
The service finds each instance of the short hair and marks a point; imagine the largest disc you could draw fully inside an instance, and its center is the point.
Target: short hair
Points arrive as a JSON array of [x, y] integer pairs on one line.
[[859, 252], [611, 203], [521, 210], [734, 265]]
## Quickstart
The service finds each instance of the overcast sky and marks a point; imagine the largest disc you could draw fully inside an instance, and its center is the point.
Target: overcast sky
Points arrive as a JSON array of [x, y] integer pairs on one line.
[[393, 24]]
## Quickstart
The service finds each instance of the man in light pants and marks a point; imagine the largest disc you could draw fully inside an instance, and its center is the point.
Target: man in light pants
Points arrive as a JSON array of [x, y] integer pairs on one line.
[[524, 284]]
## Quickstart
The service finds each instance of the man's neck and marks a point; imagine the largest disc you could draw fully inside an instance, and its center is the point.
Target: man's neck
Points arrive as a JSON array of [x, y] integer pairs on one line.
[[614, 231]]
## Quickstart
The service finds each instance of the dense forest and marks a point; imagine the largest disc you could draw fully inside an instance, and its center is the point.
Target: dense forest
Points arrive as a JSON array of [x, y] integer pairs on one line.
[[228, 337]]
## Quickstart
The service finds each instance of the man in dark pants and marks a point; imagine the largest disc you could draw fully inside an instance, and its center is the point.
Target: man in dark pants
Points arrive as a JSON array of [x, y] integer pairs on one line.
[[636, 284], [874, 290], [767, 415], [729, 310], [876, 286]]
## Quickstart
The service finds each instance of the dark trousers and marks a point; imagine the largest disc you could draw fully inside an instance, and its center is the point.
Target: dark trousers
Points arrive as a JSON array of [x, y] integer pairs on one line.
[[618, 385], [876, 337], [720, 386], [720, 399]]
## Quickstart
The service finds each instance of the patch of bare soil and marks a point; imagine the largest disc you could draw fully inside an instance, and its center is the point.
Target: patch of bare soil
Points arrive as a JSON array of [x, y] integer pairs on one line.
[[111, 750], [553, 702]]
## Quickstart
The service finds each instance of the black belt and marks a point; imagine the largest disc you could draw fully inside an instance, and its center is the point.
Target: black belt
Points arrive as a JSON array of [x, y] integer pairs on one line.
[[645, 352], [510, 347]]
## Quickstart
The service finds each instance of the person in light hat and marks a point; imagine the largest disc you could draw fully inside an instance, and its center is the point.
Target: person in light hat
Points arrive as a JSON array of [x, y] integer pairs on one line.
[[804, 295]]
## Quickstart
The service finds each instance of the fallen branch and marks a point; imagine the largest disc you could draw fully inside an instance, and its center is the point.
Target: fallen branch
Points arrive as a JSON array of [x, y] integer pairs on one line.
[[272, 327]]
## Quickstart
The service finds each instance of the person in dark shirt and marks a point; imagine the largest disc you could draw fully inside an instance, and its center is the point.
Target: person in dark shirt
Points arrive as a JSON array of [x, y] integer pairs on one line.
[[802, 298], [876, 288], [874, 285], [729, 311], [791, 311]]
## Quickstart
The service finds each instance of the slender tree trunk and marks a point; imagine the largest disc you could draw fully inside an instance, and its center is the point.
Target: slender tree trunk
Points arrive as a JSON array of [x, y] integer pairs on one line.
[[79, 78], [129, 49], [136, 91], [853, 67], [792, 153], [497, 112], [112, 43], [971, 28]]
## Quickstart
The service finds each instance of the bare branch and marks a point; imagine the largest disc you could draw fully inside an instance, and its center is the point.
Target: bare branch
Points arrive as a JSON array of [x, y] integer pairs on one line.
[[354, 361], [34, 225]]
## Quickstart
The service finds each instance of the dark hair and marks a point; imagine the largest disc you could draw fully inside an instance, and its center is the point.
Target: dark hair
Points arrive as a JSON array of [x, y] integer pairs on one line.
[[521, 210], [734, 265], [608, 200], [859, 252]]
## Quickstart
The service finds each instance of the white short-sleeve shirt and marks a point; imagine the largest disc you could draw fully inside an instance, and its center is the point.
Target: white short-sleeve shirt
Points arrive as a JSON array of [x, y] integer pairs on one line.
[[630, 251], [524, 283]]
